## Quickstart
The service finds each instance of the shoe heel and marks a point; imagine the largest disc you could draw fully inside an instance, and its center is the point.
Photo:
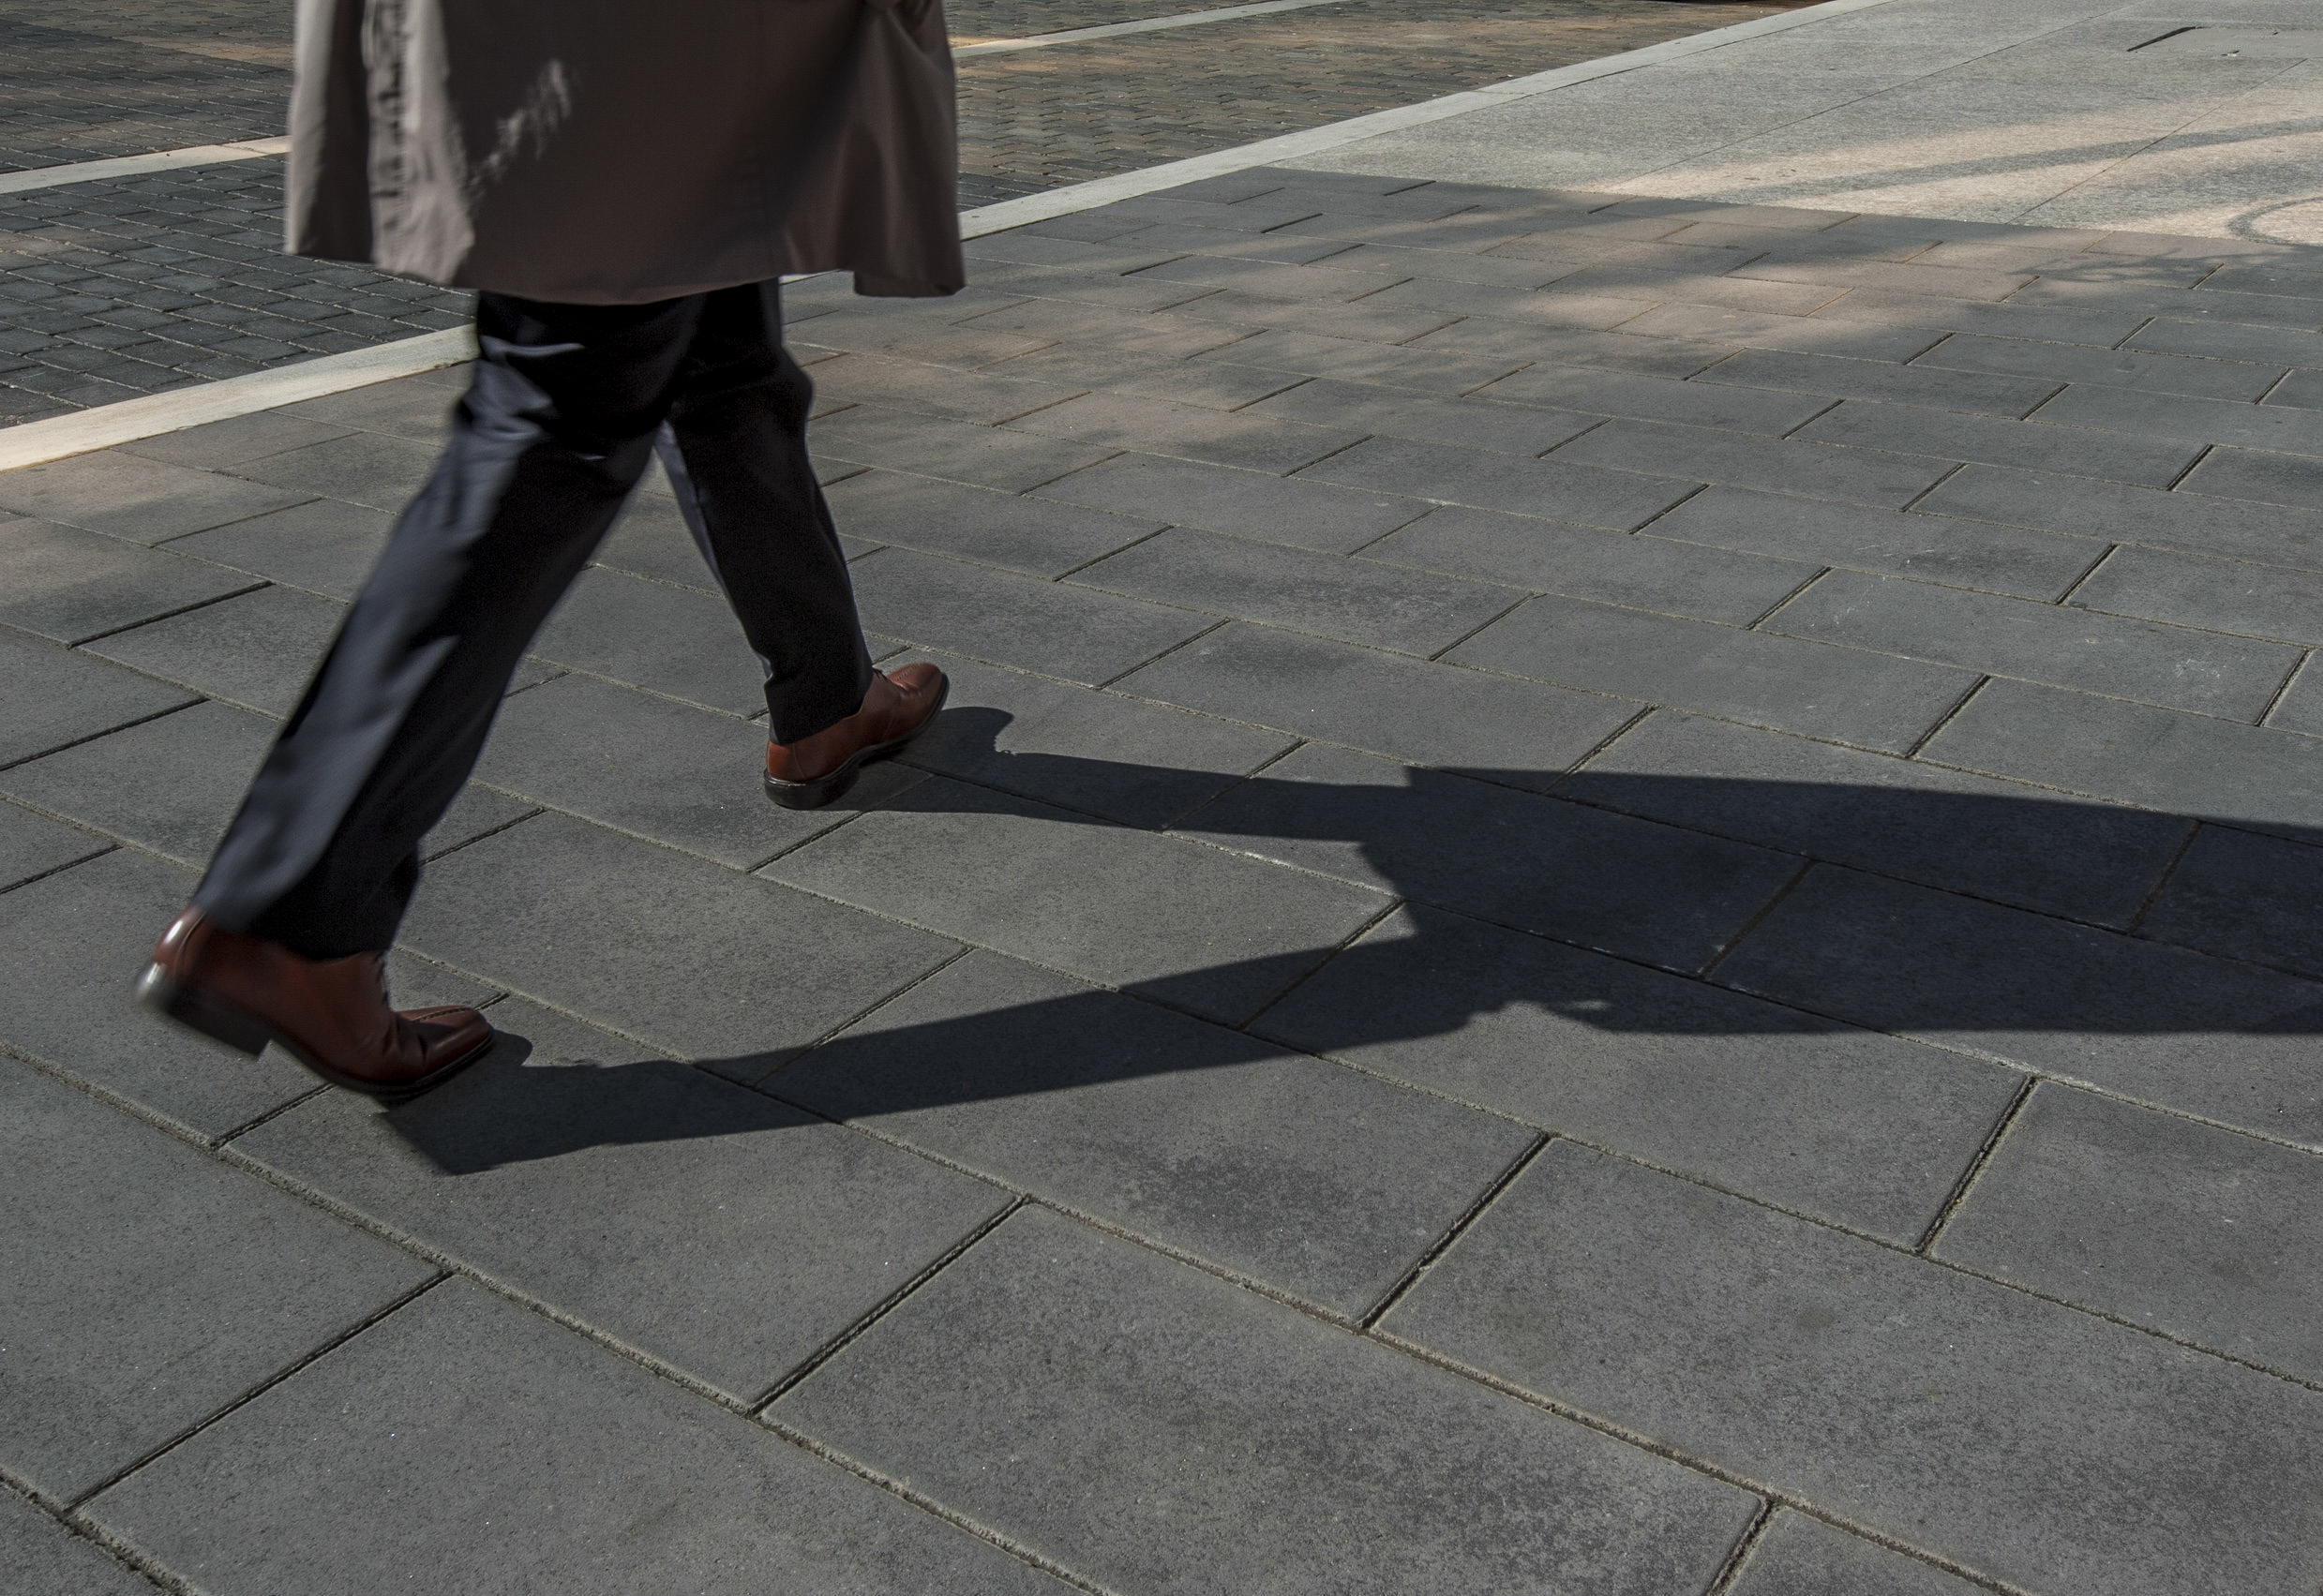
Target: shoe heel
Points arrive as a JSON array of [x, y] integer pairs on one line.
[[815, 793], [238, 1031]]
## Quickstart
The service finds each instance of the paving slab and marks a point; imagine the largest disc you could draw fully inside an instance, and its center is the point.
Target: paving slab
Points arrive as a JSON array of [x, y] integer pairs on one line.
[[153, 1284], [1313, 1180], [2198, 1232], [1124, 421], [987, 457], [985, 398], [1060, 629], [208, 753], [56, 697], [1889, 479], [726, 1234], [2252, 601], [1651, 892], [1251, 1444], [1252, 504], [1920, 384], [1955, 553], [257, 650], [2015, 1437], [1790, 684], [145, 502], [2253, 776], [2285, 428], [1620, 500], [526, 1457], [2190, 523], [1656, 399], [669, 772], [2063, 645], [1210, 931], [2268, 478], [45, 1559], [1106, 754], [1010, 530], [69, 586], [218, 444], [709, 965], [2247, 897], [1940, 827], [2113, 368], [1353, 600], [323, 545], [1469, 423], [2142, 462], [1798, 1556], [2164, 1025], [1846, 1125], [1520, 733], [31, 846], [681, 642]]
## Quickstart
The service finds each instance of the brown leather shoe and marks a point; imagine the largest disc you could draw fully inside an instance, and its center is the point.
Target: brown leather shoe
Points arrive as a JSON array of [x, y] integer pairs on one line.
[[329, 1014], [818, 769]]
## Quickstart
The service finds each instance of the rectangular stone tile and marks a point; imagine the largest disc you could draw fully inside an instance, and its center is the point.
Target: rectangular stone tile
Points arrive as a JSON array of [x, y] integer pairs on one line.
[[1123, 421], [1446, 372], [1642, 890], [1750, 329], [518, 1453], [143, 500], [649, 538], [1688, 1077], [2097, 328], [1058, 285], [678, 641], [363, 468], [2303, 389], [2223, 341], [1169, 240], [1102, 753], [2247, 897], [913, 332], [727, 970], [2076, 452], [2115, 369], [1555, 489], [70, 584], [1888, 480], [1056, 628], [2283, 427], [987, 457], [1031, 536], [1247, 216], [1379, 319], [208, 753], [1212, 385], [985, 398], [151, 1285], [698, 1222], [475, 813], [1790, 684], [2022, 1440], [45, 1559], [1655, 398], [2253, 600], [33, 845], [1267, 279], [2271, 479], [1799, 1556], [1900, 817], [2242, 310], [2159, 1024], [2252, 776], [1642, 573], [2061, 644], [1254, 1446], [1840, 269], [1354, 600], [2193, 523], [71, 947], [322, 545], [1202, 929], [1966, 554], [1520, 733], [1197, 1137], [223, 443], [2192, 1231], [257, 650], [1919, 384], [1509, 429], [667, 772], [1444, 299], [1402, 261], [1222, 498]]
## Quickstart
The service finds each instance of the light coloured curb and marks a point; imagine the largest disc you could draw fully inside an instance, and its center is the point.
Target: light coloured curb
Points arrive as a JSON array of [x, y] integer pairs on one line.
[[137, 166], [1150, 24], [36, 442]]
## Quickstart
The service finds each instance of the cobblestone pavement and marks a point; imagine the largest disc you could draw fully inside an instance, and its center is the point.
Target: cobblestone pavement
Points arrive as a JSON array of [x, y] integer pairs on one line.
[[1621, 896]]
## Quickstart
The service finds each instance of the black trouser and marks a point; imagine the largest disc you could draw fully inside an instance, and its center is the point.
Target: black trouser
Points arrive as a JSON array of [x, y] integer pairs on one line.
[[568, 404]]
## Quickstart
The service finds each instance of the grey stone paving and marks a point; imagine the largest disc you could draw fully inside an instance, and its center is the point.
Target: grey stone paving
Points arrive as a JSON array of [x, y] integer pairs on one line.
[[1649, 930]]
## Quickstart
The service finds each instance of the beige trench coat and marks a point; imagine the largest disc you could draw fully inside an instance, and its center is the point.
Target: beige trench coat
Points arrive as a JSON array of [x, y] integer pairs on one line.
[[616, 151]]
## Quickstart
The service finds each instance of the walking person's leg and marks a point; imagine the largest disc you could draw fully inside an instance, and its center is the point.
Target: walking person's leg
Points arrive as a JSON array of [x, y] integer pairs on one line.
[[735, 449], [289, 927]]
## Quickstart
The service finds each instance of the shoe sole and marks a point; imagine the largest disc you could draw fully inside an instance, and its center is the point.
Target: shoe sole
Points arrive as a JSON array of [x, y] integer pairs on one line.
[[831, 788], [245, 1033]]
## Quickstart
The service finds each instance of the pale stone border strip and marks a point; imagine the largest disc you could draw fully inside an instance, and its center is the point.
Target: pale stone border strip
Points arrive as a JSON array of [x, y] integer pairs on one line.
[[1148, 24], [37, 442], [137, 166]]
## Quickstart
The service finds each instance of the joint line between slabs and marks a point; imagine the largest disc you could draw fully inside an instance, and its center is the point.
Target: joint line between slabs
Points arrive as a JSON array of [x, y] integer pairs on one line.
[[145, 1567], [1960, 1188], [2306, 658], [1458, 1229], [1730, 1571], [2169, 867], [1701, 972], [106, 846], [1947, 717]]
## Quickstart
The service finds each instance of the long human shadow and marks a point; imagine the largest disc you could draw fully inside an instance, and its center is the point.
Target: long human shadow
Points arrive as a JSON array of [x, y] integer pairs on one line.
[[1575, 905]]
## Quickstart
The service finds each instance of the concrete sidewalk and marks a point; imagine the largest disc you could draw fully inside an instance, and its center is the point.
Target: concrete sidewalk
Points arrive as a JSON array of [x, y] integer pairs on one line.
[[1621, 897]]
